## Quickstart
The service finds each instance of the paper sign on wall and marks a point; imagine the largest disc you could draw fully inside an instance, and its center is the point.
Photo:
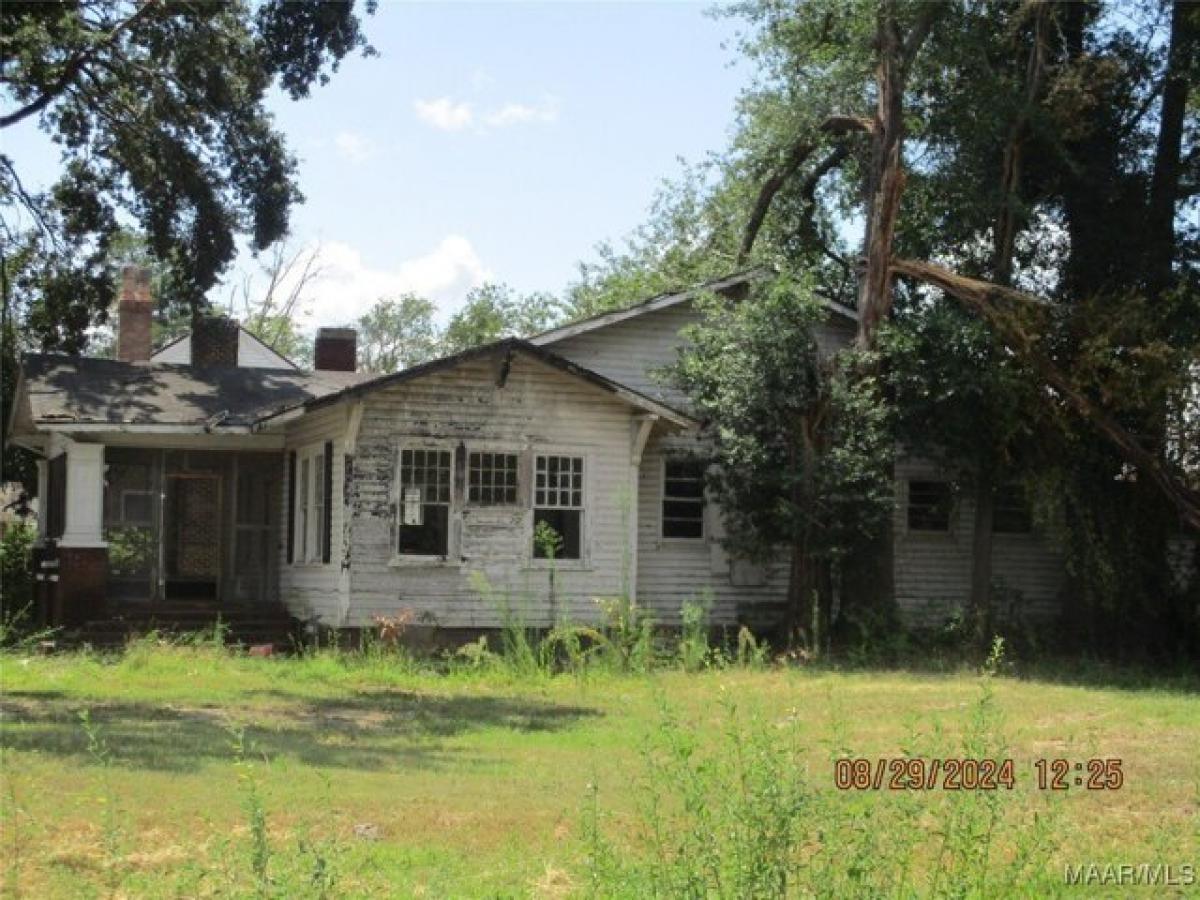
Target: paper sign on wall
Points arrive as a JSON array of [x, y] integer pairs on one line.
[[412, 506]]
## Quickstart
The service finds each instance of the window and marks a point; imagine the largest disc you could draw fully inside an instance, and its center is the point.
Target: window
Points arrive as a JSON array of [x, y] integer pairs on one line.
[[1010, 513], [425, 480], [929, 506], [558, 504], [492, 479], [310, 518], [683, 498]]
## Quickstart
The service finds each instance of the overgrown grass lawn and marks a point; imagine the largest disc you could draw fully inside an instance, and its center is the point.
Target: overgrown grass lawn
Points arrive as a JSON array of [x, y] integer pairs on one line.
[[376, 778]]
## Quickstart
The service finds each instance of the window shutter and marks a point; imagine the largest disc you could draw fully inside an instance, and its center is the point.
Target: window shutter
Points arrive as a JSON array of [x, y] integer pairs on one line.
[[327, 524], [291, 510]]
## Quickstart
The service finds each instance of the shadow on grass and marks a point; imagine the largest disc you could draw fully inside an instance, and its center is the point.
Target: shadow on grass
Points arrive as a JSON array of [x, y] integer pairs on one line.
[[380, 730]]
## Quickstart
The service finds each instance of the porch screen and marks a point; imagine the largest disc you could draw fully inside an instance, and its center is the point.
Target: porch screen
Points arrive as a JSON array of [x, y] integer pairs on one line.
[[558, 507], [424, 507], [131, 505]]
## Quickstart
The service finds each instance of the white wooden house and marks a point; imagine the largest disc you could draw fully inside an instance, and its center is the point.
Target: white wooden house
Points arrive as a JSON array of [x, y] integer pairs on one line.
[[227, 479]]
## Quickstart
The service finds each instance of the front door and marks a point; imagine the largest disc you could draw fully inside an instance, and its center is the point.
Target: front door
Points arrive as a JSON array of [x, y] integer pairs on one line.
[[192, 537]]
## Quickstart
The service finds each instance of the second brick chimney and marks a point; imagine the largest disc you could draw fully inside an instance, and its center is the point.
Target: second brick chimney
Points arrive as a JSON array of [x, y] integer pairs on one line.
[[214, 342], [336, 350], [135, 313]]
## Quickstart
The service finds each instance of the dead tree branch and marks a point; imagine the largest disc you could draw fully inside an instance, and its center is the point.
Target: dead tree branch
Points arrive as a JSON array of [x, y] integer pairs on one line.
[[986, 300]]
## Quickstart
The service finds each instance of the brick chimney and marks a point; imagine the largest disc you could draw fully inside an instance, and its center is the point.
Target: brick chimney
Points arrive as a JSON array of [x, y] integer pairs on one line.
[[336, 350], [135, 311], [214, 342]]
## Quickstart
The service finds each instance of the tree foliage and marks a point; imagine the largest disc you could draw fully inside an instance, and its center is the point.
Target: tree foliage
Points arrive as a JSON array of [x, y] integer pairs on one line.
[[1032, 171], [397, 332], [797, 440], [493, 311], [159, 112]]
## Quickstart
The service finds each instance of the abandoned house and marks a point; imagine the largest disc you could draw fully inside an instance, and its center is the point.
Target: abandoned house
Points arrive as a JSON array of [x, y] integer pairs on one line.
[[215, 475]]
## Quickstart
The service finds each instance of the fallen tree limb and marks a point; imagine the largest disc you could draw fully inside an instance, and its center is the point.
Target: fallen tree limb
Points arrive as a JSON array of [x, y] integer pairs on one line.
[[983, 297]]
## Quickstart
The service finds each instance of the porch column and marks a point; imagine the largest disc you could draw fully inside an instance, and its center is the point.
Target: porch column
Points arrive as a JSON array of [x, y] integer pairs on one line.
[[82, 552], [642, 426], [85, 496]]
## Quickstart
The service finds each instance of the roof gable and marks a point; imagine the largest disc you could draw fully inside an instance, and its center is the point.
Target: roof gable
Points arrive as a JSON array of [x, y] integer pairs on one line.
[[665, 301], [501, 349], [178, 351]]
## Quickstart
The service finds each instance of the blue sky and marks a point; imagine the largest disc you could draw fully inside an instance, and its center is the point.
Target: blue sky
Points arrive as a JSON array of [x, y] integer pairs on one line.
[[493, 142]]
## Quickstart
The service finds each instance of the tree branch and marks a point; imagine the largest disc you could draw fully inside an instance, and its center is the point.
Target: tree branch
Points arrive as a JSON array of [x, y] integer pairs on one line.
[[799, 152], [73, 67], [982, 297]]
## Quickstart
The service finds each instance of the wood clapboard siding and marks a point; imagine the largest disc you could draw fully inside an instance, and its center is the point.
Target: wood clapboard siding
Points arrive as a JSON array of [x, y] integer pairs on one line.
[[311, 589], [636, 350], [672, 571], [933, 570], [538, 408]]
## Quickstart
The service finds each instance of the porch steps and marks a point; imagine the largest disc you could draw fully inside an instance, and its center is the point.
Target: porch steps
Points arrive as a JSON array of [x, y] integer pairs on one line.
[[247, 625]]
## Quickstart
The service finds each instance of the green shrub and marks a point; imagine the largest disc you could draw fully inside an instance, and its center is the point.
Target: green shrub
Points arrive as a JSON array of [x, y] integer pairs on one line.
[[16, 579]]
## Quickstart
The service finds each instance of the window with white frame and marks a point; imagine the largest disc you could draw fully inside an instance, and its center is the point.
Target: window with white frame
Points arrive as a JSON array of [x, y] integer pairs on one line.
[[558, 496], [492, 479], [424, 509], [310, 500], [683, 498]]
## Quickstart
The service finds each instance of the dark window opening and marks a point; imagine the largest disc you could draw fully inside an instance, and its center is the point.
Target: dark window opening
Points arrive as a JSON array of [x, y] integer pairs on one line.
[[558, 503], [492, 479], [683, 498], [929, 504], [1010, 513], [56, 497], [567, 524], [425, 480]]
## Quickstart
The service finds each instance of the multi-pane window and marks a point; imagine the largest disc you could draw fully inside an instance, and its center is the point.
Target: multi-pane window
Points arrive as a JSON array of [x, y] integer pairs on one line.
[[492, 479], [310, 506], [929, 505], [683, 498], [426, 477], [1010, 512], [558, 505]]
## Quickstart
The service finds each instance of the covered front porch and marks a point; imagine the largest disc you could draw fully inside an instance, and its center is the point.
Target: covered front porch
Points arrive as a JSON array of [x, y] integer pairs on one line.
[[141, 532]]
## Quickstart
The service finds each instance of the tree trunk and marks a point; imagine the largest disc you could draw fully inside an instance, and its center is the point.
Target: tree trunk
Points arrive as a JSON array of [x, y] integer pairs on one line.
[[980, 604], [885, 178], [1164, 186]]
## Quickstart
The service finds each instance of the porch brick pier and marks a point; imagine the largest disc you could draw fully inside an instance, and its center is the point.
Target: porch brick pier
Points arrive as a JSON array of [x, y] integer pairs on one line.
[[82, 552]]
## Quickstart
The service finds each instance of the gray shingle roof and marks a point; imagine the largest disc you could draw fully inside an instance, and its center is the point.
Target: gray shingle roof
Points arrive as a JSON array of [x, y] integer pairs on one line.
[[78, 389]]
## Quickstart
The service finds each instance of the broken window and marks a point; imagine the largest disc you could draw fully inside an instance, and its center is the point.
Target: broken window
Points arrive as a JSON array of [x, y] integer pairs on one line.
[[1010, 512], [929, 504], [425, 482], [492, 479], [683, 498], [558, 505]]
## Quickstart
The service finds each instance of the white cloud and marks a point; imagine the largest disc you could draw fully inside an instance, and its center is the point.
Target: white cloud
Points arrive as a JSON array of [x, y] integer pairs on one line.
[[357, 148], [348, 286], [521, 113], [447, 114], [444, 114]]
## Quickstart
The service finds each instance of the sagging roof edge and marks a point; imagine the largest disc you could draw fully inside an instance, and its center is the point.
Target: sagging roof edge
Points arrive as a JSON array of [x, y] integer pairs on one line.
[[665, 301], [635, 398]]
